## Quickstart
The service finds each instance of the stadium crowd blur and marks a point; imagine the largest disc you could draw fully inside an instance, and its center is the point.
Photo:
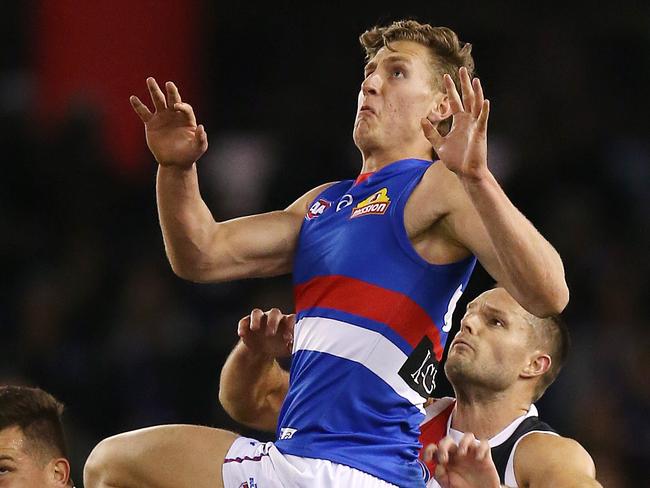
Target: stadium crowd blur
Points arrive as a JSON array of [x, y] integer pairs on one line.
[[89, 308]]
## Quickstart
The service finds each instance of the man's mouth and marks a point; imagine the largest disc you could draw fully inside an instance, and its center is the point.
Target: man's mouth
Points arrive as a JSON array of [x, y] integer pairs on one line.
[[458, 342]]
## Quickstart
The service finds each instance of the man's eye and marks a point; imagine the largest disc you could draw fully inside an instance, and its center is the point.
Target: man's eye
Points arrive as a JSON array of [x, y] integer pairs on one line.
[[398, 73], [496, 322]]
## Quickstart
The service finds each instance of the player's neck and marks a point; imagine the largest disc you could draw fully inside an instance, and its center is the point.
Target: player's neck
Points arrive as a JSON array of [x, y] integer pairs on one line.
[[377, 159], [487, 415]]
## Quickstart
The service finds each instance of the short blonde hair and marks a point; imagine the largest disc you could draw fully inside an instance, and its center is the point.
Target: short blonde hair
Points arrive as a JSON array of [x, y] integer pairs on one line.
[[448, 53]]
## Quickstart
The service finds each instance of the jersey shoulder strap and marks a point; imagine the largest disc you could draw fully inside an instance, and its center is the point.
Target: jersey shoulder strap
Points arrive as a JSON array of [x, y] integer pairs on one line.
[[501, 453]]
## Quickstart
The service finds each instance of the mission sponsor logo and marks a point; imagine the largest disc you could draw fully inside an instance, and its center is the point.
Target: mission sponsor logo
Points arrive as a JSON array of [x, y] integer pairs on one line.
[[317, 208], [375, 204]]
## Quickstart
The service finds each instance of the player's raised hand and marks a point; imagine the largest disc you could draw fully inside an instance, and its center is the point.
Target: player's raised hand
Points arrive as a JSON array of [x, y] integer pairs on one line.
[[269, 333], [467, 464], [464, 149], [172, 134]]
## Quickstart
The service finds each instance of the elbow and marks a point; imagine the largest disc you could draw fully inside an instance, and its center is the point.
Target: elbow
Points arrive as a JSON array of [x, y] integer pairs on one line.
[[228, 405], [552, 302], [190, 271], [181, 271], [550, 289], [557, 298], [563, 299], [233, 408], [558, 292]]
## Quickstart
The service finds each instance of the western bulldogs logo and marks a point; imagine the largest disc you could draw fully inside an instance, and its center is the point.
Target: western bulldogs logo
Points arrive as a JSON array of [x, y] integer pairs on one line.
[[346, 201], [375, 204], [420, 369], [317, 208], [287, 433]]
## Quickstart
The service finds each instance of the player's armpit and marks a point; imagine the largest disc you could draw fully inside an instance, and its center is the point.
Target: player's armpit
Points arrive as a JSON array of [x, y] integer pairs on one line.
[[251, 247], [549, 461]]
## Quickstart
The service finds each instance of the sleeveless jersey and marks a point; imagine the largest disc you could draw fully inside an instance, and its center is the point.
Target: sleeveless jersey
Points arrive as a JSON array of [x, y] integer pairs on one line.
[[373, 318], [437, 425]]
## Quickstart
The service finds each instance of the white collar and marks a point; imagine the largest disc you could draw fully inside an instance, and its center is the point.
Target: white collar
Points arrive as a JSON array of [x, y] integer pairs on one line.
[[502, 436]]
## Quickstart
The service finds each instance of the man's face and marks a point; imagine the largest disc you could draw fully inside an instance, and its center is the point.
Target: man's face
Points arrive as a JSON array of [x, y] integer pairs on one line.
[[397, 92], [493, 345], [20, 466]]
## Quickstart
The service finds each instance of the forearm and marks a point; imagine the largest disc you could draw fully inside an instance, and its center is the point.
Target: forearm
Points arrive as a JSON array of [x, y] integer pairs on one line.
[[252, 388], [531, 269], [186, 222]]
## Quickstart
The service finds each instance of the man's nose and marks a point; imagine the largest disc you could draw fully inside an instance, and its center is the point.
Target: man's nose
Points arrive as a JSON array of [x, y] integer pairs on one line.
[[469, 323], [371, 84]]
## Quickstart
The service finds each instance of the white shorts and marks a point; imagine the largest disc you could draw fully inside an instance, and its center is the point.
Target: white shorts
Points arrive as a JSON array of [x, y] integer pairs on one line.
[[253, 464]]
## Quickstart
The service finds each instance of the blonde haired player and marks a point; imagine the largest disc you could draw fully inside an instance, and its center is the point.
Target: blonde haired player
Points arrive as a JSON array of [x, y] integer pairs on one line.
[[378, 263]]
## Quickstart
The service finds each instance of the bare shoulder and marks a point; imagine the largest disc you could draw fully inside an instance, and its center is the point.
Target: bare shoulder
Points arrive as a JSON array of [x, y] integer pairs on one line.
[[301, 205], [544, 446], [542, 459], [440, 190], [430, 216]]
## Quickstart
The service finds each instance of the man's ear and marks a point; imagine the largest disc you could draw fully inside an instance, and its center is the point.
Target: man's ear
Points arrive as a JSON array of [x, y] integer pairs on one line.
[[440, 110], [59, 472], [538, 365]]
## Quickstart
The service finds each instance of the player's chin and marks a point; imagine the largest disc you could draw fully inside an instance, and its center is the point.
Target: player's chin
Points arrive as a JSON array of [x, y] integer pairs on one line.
[[363, 134], [456, 363]]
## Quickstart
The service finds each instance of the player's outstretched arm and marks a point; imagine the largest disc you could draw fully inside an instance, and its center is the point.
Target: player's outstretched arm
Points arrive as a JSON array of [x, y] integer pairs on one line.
[[198, 248], [549, 461], [485, 221], [253, 386]]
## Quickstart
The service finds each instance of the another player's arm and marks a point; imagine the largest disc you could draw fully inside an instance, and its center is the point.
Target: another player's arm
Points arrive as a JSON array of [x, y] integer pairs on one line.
[[484, 220], [253, 385], [198, 248], [252, 388], [540, 461], [548, 461]]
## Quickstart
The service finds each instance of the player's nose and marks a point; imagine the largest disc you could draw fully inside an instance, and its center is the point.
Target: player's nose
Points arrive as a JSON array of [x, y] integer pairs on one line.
[[469, 323], [371, 85]]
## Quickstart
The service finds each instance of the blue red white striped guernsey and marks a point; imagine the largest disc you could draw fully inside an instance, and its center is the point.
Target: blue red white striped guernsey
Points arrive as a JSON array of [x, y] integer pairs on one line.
[[373, 319]]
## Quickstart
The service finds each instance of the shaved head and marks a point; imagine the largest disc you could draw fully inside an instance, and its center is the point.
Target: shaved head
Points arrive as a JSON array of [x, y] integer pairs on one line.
[[501, 345]]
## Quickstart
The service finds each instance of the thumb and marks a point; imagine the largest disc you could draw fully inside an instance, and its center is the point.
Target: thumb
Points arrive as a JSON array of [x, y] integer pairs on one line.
[[431, 133], [201, 138], [428, 452], [441, 476]]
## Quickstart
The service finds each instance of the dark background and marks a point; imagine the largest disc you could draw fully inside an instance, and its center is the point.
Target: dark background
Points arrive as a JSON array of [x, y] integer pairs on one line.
[[89, 308]]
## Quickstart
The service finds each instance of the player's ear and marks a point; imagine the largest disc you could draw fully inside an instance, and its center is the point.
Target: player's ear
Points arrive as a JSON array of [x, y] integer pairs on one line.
[[59, 472], [538, 364], [440, 108]]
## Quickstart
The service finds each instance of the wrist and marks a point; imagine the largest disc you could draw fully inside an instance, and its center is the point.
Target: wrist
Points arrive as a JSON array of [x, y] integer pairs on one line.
[[176, 170], [256, 355], [479, 180]]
